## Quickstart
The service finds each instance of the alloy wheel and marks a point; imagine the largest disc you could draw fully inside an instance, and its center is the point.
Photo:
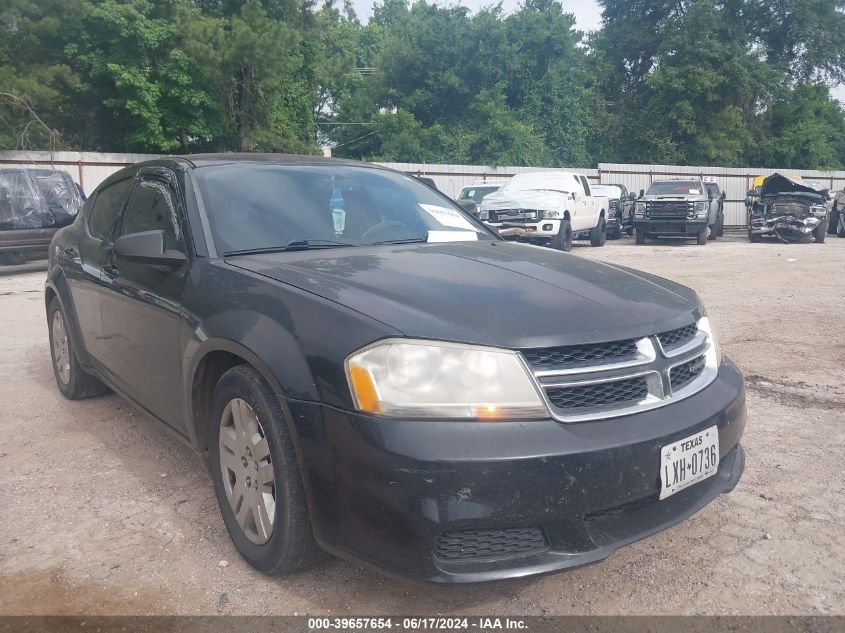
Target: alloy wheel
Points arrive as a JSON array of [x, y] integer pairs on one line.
[[248, 475], [61, 348]]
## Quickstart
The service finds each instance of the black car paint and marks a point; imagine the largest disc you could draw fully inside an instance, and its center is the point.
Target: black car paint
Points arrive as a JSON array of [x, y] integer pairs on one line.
[[380, 490]]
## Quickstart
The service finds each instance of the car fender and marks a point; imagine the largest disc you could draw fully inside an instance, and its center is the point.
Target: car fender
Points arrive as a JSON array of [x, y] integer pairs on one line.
[[274, 352]]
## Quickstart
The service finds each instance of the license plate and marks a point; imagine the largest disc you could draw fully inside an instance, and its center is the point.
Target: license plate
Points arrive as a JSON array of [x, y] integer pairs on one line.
[[688, 461]]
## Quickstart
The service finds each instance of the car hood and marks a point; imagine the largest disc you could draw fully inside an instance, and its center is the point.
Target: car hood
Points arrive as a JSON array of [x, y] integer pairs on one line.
[[489, 293], [525, 199]]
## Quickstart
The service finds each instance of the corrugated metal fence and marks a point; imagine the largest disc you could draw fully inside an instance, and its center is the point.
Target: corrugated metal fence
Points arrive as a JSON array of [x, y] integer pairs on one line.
[[91, 168]]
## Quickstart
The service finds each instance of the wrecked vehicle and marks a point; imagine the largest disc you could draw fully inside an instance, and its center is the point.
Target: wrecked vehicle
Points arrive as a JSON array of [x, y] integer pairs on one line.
[[547, 208], [34, 204], [788, 209], [620, 214], [374, 373]]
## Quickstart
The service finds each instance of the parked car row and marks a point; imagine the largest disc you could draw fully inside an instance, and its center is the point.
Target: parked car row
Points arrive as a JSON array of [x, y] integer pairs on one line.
[[553, 208]]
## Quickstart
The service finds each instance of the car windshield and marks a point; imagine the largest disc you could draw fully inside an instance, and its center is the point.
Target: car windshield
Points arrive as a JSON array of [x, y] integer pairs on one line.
[[611, 191], [268, 207], [674, 187], [477, 193]]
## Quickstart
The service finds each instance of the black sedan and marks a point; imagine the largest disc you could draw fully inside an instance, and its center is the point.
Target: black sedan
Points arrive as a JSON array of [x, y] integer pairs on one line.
[[373, 373]]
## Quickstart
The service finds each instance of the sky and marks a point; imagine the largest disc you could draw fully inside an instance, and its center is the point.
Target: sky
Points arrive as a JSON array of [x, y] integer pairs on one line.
[[587, 17]]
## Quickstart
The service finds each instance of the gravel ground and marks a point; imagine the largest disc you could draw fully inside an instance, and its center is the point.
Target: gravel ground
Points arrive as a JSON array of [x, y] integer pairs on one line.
[[104, 512]]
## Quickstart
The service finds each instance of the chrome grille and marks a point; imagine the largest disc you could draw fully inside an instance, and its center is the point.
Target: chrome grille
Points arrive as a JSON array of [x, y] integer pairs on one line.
[[601, 380], [677, 338], [602, 394], [582, 355], [475, 545], [684, 374]]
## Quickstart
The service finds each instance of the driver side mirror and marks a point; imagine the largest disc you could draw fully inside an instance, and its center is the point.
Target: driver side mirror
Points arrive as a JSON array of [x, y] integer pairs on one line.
[[723, 196], [642, 193], [632, 196], [469, 206], [147, 247]]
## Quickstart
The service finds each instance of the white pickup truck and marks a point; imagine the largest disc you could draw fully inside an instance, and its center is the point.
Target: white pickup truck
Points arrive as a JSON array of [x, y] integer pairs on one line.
[[550, 207]]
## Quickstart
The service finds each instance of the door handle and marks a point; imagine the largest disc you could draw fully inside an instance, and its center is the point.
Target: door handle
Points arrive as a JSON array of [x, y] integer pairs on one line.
[[111, 269]]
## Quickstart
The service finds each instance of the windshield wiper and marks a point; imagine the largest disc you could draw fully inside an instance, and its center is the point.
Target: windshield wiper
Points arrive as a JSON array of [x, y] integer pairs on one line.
[[411, 240], [293, 245]]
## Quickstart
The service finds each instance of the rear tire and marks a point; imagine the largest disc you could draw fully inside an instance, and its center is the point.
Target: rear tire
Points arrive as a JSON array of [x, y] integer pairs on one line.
[[701, 238], [598, 234], [262, 498], [563, 240], [73, 381]]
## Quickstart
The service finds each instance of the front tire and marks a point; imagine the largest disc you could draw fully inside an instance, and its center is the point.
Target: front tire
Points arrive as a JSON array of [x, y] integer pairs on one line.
[[754, 238], [256, 475], [821, 232], [833, 221], [598, 234], [563, 240], [713, 231], [640, 236], [701, 238], [720, 228], [73, 381], [840, 228]]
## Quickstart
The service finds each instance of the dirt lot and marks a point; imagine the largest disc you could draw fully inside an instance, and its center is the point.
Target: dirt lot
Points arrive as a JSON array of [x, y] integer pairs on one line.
[[101, 511]]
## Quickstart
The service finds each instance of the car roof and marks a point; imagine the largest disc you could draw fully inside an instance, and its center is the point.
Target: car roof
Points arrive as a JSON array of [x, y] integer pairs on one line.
[[205, 160], [193, 161], [484, 184]]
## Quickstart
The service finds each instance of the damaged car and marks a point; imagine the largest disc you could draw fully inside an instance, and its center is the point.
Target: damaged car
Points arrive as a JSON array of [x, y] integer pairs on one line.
[[788, 209], [34, 204]]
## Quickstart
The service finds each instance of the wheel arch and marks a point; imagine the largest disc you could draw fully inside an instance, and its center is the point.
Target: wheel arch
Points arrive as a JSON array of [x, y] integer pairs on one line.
[[212, 360], [57, 288]]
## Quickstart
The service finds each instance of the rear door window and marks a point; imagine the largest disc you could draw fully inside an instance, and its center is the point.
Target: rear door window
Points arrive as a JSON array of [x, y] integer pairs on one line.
[[107, 206]]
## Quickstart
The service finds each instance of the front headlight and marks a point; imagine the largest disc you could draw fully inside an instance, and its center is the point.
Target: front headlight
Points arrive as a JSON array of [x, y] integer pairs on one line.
[[483, 214], [713, 356], [550, 215], [700, 209], [639, 209], [429, 379]]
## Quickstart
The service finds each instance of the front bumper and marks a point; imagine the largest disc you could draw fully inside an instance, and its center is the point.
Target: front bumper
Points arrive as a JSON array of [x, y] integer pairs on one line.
[[670, 227], [543, 229], [790, 228], [382, 491]]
